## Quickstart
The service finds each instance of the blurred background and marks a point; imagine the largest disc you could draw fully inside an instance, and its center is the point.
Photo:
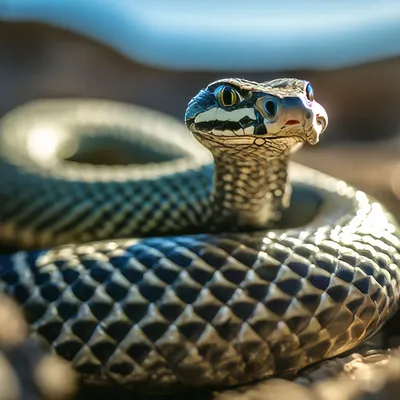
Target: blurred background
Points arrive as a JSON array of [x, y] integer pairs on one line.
[[160, 53]]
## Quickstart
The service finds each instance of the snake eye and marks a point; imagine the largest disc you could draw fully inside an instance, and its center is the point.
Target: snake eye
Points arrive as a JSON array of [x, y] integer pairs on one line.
[[309, 92], [226, 95], [271, 107]]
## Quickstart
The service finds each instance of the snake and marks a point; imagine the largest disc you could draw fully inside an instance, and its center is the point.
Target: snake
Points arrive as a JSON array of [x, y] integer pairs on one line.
[[154, 255]]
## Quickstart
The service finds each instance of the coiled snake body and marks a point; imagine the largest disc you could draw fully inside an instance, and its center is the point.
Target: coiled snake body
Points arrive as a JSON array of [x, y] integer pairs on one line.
[[181, 306]]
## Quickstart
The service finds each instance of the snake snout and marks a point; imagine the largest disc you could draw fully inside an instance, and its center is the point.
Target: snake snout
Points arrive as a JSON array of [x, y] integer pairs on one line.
[[322, 122], [192, 110], [200, 103], [320, 118]]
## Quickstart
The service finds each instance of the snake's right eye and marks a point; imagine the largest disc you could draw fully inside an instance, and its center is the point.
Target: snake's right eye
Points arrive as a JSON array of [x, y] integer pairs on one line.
[[227, 96]]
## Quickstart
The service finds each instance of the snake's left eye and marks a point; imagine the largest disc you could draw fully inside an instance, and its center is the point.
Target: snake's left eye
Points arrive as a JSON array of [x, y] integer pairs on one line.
[[226, 96], [309, 92]]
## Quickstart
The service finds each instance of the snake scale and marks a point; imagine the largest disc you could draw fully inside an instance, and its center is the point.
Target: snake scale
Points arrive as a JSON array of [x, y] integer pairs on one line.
[[194, 263]]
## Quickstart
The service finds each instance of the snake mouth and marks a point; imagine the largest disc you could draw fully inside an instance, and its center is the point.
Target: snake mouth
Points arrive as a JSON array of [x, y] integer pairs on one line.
[[189, 123], [248, 140], [224, 127], [276, 143]]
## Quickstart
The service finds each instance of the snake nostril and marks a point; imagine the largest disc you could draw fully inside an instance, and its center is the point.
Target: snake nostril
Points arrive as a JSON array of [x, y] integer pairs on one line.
[[321, 121]]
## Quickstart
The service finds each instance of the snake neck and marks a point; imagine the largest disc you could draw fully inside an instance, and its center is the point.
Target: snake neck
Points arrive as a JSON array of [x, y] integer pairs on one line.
[[249, 194]]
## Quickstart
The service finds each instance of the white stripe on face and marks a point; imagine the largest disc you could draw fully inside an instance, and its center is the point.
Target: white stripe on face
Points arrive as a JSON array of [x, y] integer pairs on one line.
[[220, 114], [239, 132], [249, 130]]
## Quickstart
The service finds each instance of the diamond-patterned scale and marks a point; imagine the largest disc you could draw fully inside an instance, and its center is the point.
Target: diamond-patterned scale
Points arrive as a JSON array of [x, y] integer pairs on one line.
[[202, 309]]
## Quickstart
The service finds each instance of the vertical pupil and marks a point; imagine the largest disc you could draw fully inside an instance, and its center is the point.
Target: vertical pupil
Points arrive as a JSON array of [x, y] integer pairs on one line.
[[227, 96]]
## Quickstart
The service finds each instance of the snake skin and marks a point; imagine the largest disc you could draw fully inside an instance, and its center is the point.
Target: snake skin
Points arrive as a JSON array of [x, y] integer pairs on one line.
[[47, 201], [27, 371], [206, 310]]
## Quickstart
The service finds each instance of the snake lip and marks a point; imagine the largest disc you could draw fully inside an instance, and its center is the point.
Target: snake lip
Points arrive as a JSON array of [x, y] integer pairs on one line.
[[189, 122], [268, 137]]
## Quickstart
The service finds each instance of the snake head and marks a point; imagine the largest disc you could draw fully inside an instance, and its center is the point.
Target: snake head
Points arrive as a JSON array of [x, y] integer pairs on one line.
[[273, 116]]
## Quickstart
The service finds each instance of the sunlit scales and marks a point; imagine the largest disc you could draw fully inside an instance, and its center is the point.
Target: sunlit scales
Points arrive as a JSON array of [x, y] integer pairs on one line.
[[42, 143]]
